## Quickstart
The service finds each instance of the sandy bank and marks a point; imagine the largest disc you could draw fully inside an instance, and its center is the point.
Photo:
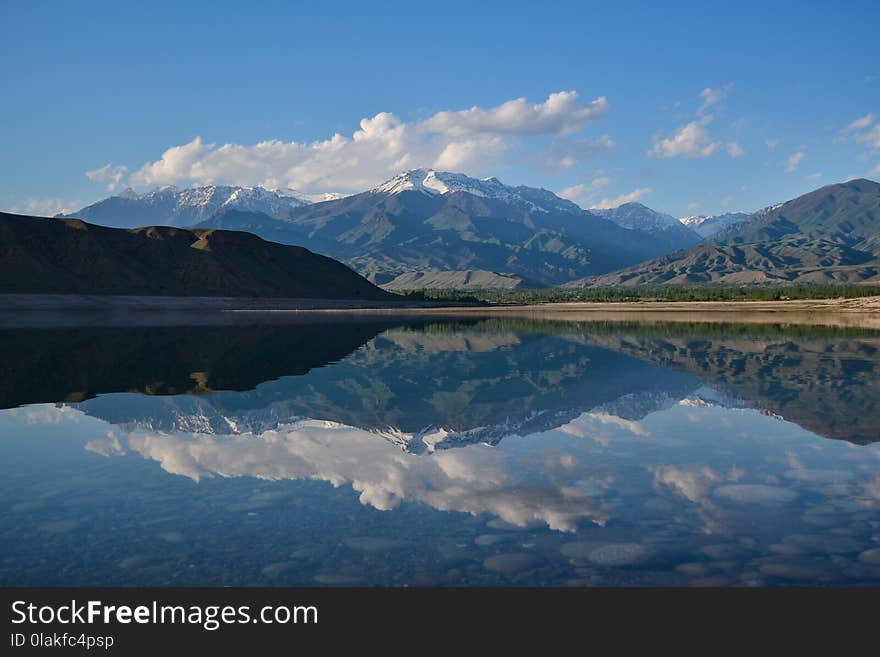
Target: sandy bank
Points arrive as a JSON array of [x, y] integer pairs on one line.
[[863, 312]]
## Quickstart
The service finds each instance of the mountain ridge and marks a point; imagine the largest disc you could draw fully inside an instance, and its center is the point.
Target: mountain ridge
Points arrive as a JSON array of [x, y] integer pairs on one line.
[[421, 220], [69, 256], [829, 235]]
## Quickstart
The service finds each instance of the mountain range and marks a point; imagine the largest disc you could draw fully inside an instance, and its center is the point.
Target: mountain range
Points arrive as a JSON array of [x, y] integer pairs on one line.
[[830, 235], [415, 380], [421, 220], [170, 206], [70, 256], [708, 225], [426, 228]]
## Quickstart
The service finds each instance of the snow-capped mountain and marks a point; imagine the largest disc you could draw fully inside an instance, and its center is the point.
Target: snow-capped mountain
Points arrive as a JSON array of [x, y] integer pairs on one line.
[[308, 198], [639, 217], [185, 207], [711, 225], [432, 183], [707, 225]]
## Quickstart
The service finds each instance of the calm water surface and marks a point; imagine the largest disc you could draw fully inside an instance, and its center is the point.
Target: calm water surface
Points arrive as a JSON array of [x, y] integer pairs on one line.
[[440, 453]]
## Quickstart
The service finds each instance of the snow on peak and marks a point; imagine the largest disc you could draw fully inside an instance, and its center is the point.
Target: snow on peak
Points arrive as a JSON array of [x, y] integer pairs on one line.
[[287, 192], [434, 183], [708, 225], [207, 199], [637, 216]]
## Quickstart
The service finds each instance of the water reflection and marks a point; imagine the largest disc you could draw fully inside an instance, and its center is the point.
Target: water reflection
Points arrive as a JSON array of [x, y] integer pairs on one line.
[[476, 453]]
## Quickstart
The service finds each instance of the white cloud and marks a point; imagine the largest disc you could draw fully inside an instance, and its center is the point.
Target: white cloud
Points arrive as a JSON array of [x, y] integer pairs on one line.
[[475, 479], [473, 140], [561, 113], [689, 140], [875, 171], [734, 149], [629, 197], [109, 174], [565, 153], [771, 143], [49, 207], [583, 192], [692, 482], [814, 176], [712, 96], [862, 122], [693, 206], [693, 139], [863, 130], [870, 137], [794, 161], [472, 153]]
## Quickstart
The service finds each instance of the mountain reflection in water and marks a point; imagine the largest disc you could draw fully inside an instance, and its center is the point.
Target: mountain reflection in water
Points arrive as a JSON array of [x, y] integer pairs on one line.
[[598, 453]]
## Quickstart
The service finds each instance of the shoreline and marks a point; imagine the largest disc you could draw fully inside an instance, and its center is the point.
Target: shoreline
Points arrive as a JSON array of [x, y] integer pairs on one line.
[[33, 309]]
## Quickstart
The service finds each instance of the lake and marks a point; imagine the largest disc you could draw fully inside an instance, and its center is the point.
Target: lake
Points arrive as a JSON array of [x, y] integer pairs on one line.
[[423, 451]]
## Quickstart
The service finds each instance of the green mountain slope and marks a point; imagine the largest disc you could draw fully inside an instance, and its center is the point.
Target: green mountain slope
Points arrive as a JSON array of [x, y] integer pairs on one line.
[[69, 256], [831, 235]]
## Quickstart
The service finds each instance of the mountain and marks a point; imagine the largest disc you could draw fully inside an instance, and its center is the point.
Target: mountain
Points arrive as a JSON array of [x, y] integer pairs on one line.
[[425, 380], [708, 225], [472, 279], [170, 206], [422, 386], [796, 377], [69, 256], [664, 227], [425, 220], [433, 183], [74, 364], [421, 220], [830, 235]]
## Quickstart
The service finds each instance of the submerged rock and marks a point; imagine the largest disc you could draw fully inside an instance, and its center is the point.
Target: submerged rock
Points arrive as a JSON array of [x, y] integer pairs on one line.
[[620, 554], [510, 564]]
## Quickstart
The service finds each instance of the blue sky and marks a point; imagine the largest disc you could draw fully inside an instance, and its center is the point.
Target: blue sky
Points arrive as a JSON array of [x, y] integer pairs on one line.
[[688, 107]]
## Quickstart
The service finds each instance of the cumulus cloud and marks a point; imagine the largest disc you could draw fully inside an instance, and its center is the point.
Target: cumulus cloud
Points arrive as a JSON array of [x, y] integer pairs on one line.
[[693, 482], [48, 207], [109, 174], [473, 140], [629, 197], [561, 113], [734, 149], [475, 479], [693, 139], [471, 153], [794, 160], [584, 192], [689, 140], [176, 163]]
